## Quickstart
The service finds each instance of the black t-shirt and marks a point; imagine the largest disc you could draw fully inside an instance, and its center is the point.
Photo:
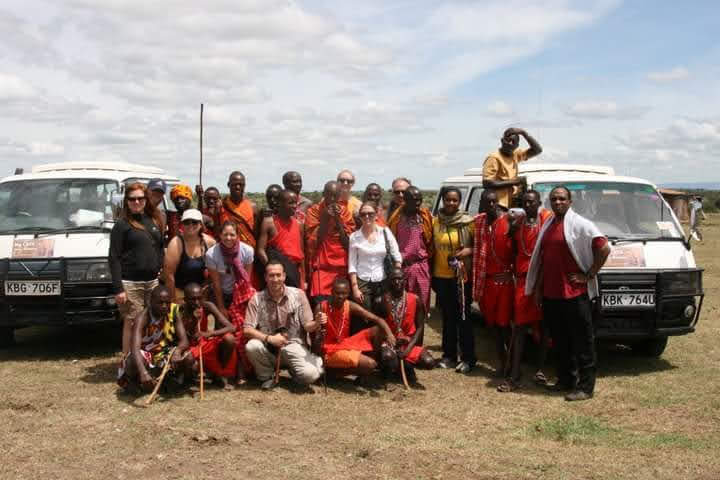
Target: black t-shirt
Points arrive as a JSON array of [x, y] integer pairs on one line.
[[135, 254]]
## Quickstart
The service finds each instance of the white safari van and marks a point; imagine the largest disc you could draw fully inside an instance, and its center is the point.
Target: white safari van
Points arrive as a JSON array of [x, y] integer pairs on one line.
[[650, 287], [55, 227]]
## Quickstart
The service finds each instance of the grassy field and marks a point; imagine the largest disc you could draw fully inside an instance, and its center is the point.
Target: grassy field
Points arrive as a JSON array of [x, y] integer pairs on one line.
[[62, 417]]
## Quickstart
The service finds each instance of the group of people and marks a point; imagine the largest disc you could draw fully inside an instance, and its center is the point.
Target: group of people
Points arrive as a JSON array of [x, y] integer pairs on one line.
[[342, 287]]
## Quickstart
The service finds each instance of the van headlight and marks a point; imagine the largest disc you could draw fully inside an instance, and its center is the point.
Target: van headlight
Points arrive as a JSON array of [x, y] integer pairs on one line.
[[681, 282], [88, 271]]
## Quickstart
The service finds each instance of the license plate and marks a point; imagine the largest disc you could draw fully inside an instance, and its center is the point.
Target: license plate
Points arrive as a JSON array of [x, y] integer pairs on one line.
[[32, 288], [628, 300]]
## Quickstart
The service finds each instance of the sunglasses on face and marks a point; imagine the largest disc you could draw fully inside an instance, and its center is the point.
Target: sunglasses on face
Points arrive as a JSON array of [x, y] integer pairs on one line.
[[398, 192], [346, 180], [190, 222], [367, 214], [136, 199]]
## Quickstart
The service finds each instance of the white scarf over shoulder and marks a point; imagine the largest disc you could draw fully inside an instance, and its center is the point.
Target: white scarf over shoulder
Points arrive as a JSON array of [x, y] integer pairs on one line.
[[579, 234]]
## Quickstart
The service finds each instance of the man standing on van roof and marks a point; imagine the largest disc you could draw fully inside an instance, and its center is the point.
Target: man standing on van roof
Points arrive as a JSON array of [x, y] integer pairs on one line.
[[500, 170]]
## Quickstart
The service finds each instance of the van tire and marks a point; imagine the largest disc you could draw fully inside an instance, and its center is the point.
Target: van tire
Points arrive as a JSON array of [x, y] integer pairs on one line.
[[7, 337], [652, 347]]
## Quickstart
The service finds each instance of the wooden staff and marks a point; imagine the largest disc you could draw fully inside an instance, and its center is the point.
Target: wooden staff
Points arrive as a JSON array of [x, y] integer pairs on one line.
[[404, 376], [201, 144], [161, 377], [276, 378]]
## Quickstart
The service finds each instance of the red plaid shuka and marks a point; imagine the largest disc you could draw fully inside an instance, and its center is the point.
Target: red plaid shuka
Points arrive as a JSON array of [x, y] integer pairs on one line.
[[482, 238]]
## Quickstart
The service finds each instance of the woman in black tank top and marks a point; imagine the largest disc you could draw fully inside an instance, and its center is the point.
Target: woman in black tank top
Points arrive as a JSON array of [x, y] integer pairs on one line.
[[185, 258]]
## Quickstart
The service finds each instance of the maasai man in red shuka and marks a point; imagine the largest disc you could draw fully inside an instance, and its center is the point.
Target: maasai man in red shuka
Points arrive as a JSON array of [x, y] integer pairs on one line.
[[217, 346], [327, 228], [493, 282], [282, 238], [345, 354], [527, 314], [406, 319]]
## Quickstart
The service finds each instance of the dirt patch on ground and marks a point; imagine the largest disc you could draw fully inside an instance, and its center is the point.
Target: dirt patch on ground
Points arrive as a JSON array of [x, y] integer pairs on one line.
[[63, 417]]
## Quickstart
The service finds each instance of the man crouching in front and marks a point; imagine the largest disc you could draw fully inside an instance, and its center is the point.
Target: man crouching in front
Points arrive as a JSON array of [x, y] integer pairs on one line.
[[276, 323]]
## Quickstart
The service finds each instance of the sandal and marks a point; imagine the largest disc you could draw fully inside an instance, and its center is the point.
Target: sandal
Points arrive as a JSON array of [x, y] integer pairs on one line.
[[508, 386], [540, 378]]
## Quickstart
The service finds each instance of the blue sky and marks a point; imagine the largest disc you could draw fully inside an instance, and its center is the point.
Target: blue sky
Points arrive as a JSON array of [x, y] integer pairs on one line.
[[387, 88]]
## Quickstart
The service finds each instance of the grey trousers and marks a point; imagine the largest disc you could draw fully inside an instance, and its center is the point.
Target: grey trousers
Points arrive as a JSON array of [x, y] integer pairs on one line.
[[304, 367]]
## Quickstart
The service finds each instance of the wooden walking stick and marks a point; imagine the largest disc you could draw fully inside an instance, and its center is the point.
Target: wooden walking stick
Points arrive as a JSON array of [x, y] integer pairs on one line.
[[161, 378], [276, 378], [202, 372], [404, 375]]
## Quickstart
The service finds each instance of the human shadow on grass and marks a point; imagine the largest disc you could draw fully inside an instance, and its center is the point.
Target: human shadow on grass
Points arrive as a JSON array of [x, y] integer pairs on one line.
[[63, 343], [620, 361], [102, 372]]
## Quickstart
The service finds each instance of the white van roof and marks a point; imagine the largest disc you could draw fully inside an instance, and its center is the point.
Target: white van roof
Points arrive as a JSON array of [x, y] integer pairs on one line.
[[118, 171], [111, 166], [524, 168], [552, 172]]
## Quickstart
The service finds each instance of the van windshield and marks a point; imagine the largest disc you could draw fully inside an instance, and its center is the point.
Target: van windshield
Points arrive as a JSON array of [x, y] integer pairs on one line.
[[620, 210], [55, 204]]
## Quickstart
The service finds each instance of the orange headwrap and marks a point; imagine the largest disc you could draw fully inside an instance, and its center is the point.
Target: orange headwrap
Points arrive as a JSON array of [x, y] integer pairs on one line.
[[181, 190]]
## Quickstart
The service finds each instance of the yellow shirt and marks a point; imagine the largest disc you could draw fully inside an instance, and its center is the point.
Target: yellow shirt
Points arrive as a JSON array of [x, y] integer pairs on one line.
[[354, 204], [447, 242], [500, 167]]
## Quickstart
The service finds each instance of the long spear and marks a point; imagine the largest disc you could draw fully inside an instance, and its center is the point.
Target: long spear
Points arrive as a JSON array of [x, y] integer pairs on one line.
[[201, 142]]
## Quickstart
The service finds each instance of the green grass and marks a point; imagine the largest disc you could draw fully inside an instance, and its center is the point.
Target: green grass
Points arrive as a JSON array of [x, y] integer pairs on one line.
[[575, 430]]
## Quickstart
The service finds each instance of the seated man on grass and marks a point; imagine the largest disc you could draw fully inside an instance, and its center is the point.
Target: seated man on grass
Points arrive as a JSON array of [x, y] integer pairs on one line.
[[155, 333]]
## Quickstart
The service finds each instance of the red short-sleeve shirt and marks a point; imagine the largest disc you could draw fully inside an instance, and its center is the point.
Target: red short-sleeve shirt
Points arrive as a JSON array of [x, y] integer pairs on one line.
[[558, 263]]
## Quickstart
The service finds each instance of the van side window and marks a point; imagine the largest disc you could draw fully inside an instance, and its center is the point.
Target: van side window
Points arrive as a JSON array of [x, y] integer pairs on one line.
[[473, 205]]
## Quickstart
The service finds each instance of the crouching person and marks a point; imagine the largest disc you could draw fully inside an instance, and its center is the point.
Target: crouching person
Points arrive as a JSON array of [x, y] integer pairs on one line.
[[405, 316], [155, 334], [217, 346], [345, 354], [277, 321]]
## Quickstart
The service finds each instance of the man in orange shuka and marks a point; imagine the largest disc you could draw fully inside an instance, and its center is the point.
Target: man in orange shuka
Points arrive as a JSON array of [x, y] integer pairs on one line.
[[328, 225], [240, 209], [345, 354]]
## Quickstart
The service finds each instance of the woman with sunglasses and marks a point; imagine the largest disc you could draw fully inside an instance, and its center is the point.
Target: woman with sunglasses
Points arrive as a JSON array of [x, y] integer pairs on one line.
[[185, 258], [368, 248], [135, 256]]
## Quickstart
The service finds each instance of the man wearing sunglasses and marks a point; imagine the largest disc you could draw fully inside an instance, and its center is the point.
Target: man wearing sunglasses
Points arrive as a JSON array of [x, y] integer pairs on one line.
[[346, 180]]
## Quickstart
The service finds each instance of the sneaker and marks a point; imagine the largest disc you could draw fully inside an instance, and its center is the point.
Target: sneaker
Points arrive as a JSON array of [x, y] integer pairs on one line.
[[463, 367], [577, 395], [446, 363], [268, 384]]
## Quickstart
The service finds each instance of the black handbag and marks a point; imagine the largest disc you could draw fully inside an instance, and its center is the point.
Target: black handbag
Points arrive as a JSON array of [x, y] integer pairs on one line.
[[388, 263]]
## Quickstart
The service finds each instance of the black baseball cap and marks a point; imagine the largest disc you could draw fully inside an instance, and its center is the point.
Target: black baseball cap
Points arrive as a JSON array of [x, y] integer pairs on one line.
[[157, 184]]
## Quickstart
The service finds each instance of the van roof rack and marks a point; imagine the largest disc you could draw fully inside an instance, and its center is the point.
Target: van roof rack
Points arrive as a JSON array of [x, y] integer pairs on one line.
[[109, 166], [553, 167]]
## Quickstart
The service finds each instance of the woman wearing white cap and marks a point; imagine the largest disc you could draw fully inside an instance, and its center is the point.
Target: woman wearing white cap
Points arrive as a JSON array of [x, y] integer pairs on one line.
[[185, 257]]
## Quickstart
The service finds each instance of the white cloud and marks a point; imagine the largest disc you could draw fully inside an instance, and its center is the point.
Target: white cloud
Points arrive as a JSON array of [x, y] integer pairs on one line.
[[604, 109], [44, 148], [14, 88], [677, 73], [500, 109]]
